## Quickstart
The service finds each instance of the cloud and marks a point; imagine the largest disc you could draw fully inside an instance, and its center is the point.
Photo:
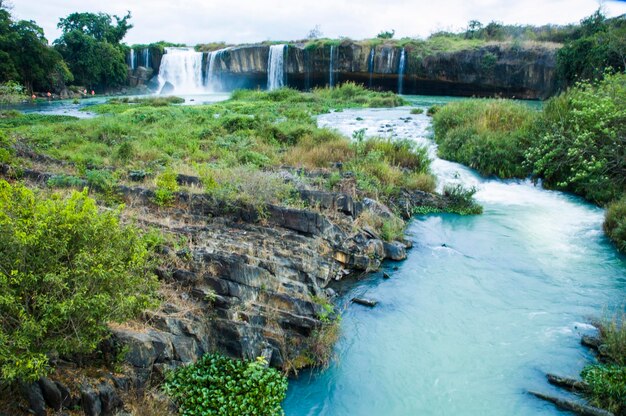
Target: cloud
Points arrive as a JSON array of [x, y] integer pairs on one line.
[[242, 21]]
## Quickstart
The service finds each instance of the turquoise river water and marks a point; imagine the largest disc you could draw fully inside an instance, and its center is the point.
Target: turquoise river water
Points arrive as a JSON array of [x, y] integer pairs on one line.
[[469, 327]]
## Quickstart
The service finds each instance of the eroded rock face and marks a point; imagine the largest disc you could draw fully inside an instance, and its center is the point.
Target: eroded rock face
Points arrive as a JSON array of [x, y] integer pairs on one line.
[[503, 69]]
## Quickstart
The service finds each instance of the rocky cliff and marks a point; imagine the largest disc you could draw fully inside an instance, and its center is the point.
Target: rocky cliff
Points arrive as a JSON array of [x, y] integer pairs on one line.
[[510, 70]]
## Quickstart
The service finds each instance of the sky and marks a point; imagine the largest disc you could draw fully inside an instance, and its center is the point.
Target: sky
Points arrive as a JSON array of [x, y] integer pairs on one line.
[[247, 21]]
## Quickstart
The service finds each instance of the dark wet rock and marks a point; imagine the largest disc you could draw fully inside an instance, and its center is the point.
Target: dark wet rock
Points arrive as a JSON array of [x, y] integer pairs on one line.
[[365, 302], [167, 88], [35, 398], [90, 400], [567, 383], [109, 399], [572, 405], [51, 393], [394, 251]]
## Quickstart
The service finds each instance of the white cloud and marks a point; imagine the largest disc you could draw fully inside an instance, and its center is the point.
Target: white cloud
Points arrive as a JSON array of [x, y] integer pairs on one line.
[[241, 21]]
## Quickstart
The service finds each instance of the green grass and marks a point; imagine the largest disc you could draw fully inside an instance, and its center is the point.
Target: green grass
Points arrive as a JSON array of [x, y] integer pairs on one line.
[[247, 136], [490, 136], [607, 380]]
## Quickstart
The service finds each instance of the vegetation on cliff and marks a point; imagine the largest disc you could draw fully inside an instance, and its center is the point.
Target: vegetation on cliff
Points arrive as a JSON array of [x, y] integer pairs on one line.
[[66, 270]]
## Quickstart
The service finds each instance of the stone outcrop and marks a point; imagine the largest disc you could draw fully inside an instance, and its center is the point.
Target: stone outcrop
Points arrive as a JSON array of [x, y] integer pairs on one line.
[[526, 71]]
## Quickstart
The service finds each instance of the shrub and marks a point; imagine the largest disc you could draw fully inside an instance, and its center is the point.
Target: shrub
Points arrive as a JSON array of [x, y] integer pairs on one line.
[[607, 386], [166, 187], [461, 200], [582, 140], [217, 385], [63, 265], [417, 111], [491, 136], [615, 223]]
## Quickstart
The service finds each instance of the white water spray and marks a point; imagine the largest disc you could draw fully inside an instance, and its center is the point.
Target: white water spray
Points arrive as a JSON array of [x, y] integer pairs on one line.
[[401, 71], [181, 67], [276, 67]]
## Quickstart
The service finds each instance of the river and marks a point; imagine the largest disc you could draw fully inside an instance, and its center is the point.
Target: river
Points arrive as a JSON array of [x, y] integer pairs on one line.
[[482, 308]]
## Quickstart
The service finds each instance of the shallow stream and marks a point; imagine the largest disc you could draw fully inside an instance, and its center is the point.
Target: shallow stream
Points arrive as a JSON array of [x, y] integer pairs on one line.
[[482, 308]]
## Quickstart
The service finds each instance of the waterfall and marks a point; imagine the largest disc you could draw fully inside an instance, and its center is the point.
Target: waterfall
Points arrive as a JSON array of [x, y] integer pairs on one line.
[[401, 71], [371, 65], [131, 59], [181, 67], [146, 58], [213, 81], [276, 67], [331, 70]]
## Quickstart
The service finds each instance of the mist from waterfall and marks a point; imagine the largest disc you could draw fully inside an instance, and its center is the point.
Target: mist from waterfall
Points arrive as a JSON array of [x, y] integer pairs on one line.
[[213, 81], [276, 67], [182, 68], [131, 59]]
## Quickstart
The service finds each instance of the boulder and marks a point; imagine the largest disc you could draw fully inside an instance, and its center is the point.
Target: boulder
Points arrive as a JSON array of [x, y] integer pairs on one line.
[[51, 393], [34, 396], [394, 251]]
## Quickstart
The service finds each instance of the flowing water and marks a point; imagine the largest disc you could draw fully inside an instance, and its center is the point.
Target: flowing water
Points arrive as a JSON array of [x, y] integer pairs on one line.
[[370, 66], [401, 71], [182, 68], [146, 58], [276, 67], [481, 309], [131, 59], [331, 68]]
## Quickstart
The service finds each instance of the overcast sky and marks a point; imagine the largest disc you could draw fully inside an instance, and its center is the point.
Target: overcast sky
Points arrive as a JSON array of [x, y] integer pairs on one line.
[[243, 21]]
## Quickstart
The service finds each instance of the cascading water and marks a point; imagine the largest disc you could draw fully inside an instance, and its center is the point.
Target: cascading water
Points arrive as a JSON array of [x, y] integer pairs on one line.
[[331, 69], [146, 58], [213, 81], [276, 67], [371, 65], [131, 59], [401, 70], [182, 68]]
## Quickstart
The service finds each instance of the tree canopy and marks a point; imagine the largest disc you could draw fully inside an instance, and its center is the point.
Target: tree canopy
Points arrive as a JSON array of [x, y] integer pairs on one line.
[[90, 44]]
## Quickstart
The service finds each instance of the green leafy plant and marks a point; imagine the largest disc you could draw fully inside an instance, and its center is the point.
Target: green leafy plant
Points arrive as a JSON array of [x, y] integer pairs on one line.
[[217, 385], [461, 200], [63, 264], [166, 187]]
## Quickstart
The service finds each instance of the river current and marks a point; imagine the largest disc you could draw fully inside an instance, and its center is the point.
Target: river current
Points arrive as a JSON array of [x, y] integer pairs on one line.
[[482, 308]]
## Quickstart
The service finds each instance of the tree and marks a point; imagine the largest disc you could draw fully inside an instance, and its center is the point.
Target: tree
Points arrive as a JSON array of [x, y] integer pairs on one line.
[[91, 46], [26, 57], [66, 270], [315, 33], [386, 34]]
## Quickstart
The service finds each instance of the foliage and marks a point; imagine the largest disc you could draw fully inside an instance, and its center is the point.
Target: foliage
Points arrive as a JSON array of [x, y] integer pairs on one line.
[[607, 387], [25, 56], [389, 228], [386, 34], [62, 265], [598, 43], [90, 44], [490, 136], [581, 145], [166, 186], [417, 111], [615, 223], [148, 101], [217, 385], [607, 381], [460, 200]]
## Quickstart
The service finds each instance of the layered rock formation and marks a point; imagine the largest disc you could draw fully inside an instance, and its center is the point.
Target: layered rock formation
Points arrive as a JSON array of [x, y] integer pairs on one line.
[[494, 69]]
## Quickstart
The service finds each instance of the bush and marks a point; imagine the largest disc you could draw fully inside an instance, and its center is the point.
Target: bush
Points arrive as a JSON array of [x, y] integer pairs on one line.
[[461, 200], [217, 385], [615, 223], [490, 136], [166, 187], [607, 387], [62, 267], [582, 140]]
